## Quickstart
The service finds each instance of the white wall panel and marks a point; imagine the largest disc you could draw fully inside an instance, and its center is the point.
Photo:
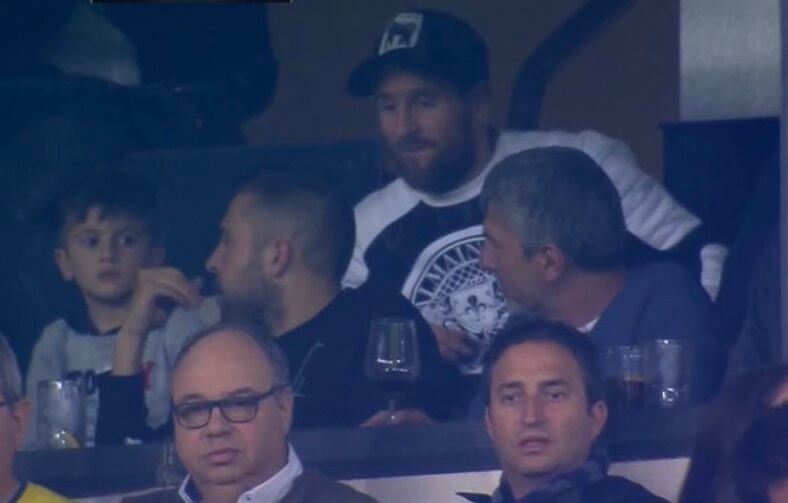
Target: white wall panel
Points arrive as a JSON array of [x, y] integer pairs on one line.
[[730, 59]]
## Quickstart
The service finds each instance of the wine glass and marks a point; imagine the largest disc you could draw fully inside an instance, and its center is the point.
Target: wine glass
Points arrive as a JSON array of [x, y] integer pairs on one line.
[[392, 359]]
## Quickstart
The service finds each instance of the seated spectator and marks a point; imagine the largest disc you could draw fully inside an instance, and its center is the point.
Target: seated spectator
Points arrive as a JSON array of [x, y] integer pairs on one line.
[[555, 238], [544, 410], [14, 419], [108, 245], [429, 80], [710, 476], [761, 459], [285, 244], [233, 407]]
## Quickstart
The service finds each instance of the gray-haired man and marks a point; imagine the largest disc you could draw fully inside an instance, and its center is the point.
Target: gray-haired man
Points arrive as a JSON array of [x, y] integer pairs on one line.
[[421, 234], [555, 238]]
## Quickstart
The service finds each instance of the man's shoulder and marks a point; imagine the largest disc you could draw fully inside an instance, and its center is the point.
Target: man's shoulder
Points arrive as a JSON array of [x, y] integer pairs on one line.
[[35, 493], [378, 302], [591, 142], [369, 302], [387, 203], [166, 495], [313, 486], [384, 206], [310, 486], [390, 194], [658, 297], [612, 489], [655, 277]]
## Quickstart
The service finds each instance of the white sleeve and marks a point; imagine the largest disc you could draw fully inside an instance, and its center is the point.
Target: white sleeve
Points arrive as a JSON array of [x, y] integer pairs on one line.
[[373, 214], [357, 271], [650, 212]]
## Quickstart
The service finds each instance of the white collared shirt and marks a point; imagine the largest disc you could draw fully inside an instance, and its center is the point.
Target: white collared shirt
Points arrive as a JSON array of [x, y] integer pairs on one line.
[[272, 490]]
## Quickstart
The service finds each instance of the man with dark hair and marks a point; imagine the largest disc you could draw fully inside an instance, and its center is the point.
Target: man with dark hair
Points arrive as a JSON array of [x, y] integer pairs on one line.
[[232, 409], [285, 242], [761, 459], [556, 239], [544, 412], [582, 350], [421, 234]]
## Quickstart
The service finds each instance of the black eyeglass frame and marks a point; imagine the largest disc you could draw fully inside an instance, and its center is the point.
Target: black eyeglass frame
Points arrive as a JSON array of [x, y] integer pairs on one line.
[[210, 405]]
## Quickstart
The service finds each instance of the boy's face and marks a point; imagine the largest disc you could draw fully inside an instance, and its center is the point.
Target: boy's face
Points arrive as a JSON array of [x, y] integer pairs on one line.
[[103, 255]]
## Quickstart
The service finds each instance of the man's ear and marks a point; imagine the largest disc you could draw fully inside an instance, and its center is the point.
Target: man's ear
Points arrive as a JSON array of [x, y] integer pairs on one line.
[[487, 422], [598, 415], [21, 413], [284, 403], [553, 262], [63, 262], [158, 254], [277, 256]]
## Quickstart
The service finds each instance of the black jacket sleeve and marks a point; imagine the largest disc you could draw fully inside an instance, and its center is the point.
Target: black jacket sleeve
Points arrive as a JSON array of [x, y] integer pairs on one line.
[[122, 411]]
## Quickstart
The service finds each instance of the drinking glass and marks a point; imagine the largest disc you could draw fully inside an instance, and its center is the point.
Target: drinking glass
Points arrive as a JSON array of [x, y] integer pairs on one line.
[[392, 359], [61, 414], [669, 368], [625, 371]]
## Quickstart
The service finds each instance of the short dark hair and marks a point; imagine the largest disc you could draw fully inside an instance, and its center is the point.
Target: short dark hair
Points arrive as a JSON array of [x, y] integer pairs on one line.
[[560, 195], [307, 205], [281, 371], [761, 456], [114, 192], [521, 331]]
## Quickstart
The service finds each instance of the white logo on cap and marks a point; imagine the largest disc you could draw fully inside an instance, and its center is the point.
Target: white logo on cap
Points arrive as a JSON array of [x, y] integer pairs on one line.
[[402, 33]]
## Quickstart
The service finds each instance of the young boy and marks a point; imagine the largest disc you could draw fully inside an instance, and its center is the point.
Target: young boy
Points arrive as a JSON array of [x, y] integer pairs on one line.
[[124, 332]]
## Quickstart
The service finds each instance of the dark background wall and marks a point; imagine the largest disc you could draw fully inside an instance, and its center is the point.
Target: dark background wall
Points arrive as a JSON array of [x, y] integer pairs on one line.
[[623, 83]]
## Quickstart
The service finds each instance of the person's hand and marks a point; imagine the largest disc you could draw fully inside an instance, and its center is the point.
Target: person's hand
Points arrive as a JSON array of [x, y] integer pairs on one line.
[[454, 346], [397, 418], [156, 292]]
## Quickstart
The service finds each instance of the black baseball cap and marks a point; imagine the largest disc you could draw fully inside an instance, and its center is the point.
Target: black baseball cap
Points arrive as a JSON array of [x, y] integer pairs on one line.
[[425, 42]]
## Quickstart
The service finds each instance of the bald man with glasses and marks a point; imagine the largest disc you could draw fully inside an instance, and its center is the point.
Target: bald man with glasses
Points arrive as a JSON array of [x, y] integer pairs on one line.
[[232, 408]]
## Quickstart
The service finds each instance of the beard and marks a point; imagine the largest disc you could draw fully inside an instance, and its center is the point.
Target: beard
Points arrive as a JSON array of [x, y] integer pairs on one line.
[[446, 171], [257, 301]]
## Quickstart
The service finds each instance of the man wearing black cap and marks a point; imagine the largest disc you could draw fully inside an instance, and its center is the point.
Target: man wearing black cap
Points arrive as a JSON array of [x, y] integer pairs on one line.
[[422, 234]]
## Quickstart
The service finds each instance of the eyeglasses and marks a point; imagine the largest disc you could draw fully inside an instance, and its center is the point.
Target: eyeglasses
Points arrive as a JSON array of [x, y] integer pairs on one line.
[[235, 409]]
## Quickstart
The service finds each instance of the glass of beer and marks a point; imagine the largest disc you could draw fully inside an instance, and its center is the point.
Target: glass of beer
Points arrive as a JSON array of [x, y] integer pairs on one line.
[[625, 370]]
